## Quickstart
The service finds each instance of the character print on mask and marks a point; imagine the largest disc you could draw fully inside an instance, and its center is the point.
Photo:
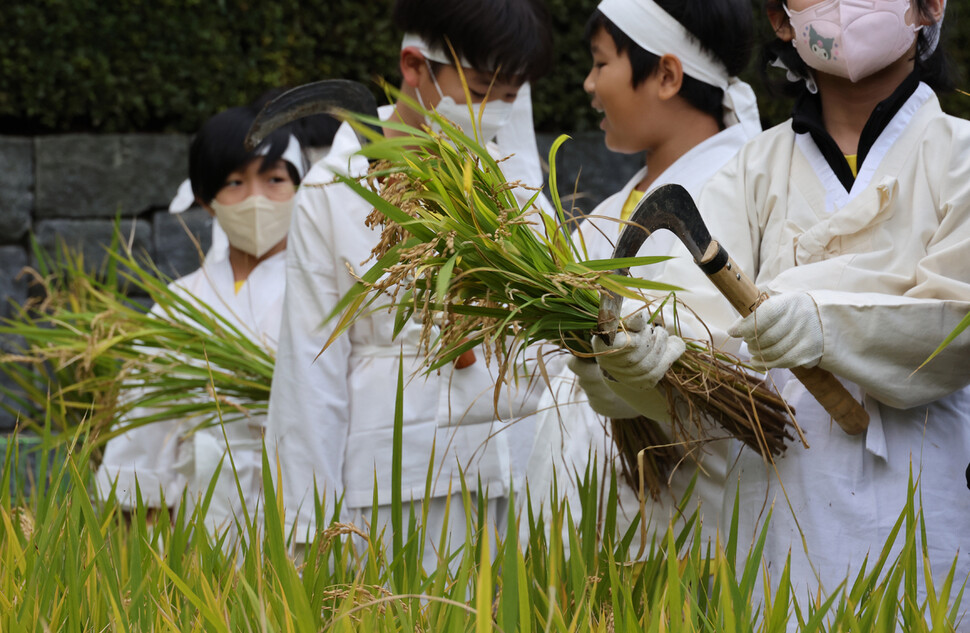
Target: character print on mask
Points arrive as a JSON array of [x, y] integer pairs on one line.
[[826, 48]]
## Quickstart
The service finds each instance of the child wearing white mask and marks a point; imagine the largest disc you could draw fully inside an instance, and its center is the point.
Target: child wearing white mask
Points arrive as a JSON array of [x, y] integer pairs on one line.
[[251, 196], [331, 416], [852, 217]]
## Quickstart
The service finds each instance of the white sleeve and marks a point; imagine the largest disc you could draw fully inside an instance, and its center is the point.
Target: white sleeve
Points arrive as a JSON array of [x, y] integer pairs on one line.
[[308, 421], [878, 341], [144, 456]]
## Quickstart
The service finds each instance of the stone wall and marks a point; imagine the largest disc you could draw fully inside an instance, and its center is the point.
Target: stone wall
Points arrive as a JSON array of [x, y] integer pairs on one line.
[[71, 189]]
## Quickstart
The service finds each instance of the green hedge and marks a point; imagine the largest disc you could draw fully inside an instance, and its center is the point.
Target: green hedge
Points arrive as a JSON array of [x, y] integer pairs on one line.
[[166, 65]]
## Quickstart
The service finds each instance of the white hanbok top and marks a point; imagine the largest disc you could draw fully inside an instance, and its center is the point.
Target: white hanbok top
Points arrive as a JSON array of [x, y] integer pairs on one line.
[[887, 265]]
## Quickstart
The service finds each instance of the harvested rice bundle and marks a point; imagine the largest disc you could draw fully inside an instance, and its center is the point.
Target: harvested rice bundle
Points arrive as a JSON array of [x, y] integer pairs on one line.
[[461, 255], [91, 355]]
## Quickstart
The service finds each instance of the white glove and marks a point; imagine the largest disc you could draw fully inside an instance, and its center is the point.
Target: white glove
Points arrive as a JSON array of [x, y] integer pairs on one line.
[[785, 331], [601, 397], [639, 356]]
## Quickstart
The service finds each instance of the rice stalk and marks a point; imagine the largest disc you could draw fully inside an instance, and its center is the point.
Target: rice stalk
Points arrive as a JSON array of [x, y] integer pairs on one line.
[[461, 255], [97, 354]]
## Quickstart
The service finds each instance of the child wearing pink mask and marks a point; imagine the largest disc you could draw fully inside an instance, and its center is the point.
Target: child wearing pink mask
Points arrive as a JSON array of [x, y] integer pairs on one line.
[[852, 218]]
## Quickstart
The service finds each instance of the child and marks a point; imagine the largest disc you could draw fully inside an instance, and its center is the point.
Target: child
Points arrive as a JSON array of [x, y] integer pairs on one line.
[[852, 217], [331, 418], [251, 196], [663, 77]]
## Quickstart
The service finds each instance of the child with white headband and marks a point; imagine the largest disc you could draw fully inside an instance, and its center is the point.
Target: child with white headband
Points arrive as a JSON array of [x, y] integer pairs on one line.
[[331, 418], [852, 217], [664, 79], [250, 193]]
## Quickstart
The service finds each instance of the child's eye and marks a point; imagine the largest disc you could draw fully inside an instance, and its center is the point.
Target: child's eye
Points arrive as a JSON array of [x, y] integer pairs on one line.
[[233, 182]]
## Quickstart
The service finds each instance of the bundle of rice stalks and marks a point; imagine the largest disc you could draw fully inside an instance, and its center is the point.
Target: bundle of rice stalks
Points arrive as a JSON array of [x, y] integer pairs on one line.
[[91, 354], [460, 253]]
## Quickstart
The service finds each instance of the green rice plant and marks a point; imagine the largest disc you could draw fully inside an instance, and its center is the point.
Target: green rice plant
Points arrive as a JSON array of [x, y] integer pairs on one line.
[[70, 561], [92, 352], [458, 243], [459, 253]]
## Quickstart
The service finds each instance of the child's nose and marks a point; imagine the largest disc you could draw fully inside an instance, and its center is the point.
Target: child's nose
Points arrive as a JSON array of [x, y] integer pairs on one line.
[[257, 188], [589, 84]]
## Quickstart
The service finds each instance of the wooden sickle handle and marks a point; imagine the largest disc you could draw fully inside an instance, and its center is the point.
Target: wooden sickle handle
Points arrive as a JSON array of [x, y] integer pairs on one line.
[[745, 297]]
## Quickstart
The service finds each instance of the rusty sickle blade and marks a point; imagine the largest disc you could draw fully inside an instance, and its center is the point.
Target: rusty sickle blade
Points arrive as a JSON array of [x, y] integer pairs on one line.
[[330, 96]]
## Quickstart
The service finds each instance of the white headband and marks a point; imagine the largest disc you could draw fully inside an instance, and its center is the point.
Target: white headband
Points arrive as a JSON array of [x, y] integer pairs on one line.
[[433, 53], [654, 30], [293, 154]]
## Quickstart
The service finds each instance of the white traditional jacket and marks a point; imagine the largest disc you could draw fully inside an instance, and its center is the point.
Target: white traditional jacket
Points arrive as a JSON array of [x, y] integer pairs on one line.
[[331, 416], [166, 457], [887, 265], [568, 428]]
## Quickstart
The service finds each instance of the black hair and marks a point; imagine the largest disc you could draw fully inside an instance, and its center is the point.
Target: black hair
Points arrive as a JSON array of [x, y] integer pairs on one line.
[[935, 70], [217, 150], [723, 28], [316, 130], [513, 37]]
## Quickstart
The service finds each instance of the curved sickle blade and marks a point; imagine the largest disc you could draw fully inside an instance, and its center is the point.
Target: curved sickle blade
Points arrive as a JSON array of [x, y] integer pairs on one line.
[[330, 96], [666, 207]]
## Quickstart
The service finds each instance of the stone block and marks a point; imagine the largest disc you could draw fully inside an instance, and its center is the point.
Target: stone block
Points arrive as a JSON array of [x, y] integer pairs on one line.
[[179, 238], [601, 172], [86, 175], [13, 287], [16, 187], [92, 237]]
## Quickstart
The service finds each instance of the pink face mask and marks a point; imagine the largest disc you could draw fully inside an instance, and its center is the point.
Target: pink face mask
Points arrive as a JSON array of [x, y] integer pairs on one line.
[[852, 38]]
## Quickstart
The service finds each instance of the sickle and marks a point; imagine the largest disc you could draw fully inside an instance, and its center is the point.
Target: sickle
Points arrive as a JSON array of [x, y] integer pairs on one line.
[[671, 207], [330, 96]]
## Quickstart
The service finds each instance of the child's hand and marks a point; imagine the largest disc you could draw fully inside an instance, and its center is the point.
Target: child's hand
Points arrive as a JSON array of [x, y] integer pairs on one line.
[[784, 331], [640, 354]]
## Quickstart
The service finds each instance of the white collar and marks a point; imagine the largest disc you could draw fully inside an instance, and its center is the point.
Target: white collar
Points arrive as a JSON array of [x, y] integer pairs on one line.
[[836, 196]]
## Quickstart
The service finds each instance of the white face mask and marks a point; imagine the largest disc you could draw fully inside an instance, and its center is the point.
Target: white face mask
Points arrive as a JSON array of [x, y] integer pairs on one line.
[[487, 121], [256, 224], [852, 38]]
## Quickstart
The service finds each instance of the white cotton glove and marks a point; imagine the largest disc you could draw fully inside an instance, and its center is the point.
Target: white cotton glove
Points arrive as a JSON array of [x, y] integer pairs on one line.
[[640, 354], [601, 397], [785, 331]]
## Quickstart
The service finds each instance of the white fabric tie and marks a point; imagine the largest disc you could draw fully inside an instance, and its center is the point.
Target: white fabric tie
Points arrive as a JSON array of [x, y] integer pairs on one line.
[[654, 30], [293, 154]]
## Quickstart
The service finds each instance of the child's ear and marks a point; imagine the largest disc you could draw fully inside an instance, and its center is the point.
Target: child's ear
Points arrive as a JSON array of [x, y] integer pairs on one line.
[[932, 12], [779, 21], [413, 66], [670, 76]]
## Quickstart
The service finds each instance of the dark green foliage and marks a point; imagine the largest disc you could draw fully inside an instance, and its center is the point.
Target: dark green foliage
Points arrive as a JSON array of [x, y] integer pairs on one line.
[[167, 65]]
